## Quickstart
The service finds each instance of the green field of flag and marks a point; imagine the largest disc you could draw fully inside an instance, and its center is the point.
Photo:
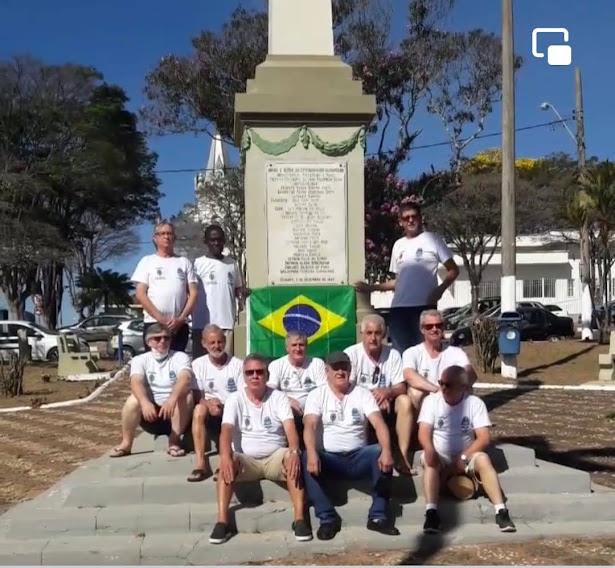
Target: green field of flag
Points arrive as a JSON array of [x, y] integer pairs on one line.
[[326, 314]]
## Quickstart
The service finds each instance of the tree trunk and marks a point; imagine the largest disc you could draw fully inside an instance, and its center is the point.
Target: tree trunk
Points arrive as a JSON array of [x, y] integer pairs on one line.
[[52, 286]]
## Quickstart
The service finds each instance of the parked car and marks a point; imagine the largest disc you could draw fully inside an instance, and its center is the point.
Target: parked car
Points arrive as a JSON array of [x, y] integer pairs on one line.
[[536, 324], [557, 310], [484, 305], [97, 328], [132, 340], [43, 342]]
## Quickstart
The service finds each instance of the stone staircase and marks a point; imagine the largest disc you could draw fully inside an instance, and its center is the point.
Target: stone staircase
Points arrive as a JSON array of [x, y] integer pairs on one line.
[[141, 510]]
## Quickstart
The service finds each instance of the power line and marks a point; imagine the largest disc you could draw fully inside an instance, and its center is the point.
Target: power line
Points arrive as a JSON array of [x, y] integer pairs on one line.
[[419, 147]]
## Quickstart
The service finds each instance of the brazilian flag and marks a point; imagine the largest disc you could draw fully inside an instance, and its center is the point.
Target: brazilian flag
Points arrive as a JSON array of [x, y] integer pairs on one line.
[[326, 314]]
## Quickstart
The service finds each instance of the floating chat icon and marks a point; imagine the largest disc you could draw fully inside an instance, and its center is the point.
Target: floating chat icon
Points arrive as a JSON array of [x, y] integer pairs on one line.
[[557, 54]]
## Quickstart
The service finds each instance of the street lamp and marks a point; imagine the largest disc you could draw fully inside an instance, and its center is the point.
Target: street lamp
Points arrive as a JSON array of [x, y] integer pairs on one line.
[[546, 106]]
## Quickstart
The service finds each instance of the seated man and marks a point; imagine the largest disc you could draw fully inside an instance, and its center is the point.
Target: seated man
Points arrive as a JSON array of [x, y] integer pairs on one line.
[[265, 445], [343, 409], [216, 376], [424, 363], [296, 374], [454, 434], [378, 368], [161, 401]]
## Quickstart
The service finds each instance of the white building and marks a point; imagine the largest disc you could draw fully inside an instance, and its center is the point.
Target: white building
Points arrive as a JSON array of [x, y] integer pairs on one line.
[[205, 211], [547, 271]]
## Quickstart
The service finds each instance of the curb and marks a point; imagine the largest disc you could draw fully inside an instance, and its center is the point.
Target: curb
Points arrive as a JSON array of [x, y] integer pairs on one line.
[[93, 395], [505, 386]]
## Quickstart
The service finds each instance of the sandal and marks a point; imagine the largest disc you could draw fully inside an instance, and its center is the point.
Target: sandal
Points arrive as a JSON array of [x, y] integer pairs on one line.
[[197, 475], [176, 452], [119, 453]]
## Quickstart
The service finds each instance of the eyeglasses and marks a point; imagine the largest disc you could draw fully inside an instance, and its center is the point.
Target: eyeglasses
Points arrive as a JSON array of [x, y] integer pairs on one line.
[[429, 326], [164, 234], [258, 372], [376, 375], [447, 384], [158, 338], [340, 367]]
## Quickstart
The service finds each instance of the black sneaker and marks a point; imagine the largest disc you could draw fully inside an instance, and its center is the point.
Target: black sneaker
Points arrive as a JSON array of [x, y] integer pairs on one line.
[[383, 526], [221, 533], [327, 531], [502, 518], [302, 531], [432, 522]]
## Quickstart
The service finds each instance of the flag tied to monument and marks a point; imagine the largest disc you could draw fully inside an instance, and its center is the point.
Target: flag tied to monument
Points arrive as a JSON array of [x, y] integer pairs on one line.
[[326, 314]]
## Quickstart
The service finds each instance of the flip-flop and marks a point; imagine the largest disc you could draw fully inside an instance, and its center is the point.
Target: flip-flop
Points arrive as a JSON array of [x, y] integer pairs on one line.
[[197, 475], [176, 452], [119, 453]]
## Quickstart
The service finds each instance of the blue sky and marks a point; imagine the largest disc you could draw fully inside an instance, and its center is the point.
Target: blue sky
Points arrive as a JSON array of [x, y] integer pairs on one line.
[[125, 40]]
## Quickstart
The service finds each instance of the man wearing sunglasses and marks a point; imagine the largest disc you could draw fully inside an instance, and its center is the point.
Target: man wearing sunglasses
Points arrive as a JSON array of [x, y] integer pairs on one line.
[[414, 261], [166, 287], [378, 368], [343, 410], [258, 441], [454, 433], [161, 400]]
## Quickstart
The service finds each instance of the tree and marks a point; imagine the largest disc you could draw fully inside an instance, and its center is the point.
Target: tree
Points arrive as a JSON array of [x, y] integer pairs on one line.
[[105, 287], [69, 150]]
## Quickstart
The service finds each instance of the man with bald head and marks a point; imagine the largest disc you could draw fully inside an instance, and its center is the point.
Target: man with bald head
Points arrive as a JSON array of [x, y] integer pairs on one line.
[[216, 376], [378, 368]]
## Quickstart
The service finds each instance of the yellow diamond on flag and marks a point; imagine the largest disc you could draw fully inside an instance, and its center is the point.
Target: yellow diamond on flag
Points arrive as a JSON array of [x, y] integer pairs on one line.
[[303, 315]]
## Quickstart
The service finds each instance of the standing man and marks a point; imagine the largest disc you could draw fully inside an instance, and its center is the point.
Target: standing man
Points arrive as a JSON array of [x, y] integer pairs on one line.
[[343, 410], [217, 375], [424, 363], [414, 261], [166, 287], [222, 287], [258, 441], [454, 434], [378, 368]]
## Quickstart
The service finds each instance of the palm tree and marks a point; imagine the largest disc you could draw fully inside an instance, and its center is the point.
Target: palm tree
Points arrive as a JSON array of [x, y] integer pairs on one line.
[[104, 286]]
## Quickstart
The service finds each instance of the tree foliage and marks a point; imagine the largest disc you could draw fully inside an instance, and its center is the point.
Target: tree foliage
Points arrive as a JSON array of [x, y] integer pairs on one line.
[[104, 287]]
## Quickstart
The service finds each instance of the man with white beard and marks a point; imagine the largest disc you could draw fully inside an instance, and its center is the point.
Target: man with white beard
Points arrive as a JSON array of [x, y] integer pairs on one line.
[[161, 400]]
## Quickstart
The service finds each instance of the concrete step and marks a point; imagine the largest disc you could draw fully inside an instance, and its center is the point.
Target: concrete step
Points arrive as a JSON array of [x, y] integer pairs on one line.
[[194, 548], [40, 522], [545, 477]]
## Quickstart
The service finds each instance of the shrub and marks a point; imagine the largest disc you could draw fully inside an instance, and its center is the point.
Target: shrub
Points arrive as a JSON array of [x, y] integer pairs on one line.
[[485, 337]]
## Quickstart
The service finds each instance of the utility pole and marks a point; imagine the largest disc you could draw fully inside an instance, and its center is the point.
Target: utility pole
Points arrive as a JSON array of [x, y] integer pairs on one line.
[[585, 254], [508, 283]]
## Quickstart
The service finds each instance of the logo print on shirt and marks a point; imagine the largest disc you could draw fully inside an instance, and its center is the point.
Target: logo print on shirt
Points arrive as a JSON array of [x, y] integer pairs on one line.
[[231, 386], [212, 276], [172, 375], [152, 377], [419, 253], [246, 423], [159, 272], [285, 383], [267, 422], [440, 422], [308, 384], [229, 276], [465, 423], [356, 416], [332, 416], [363, 378], [210, 384], [180, 274]]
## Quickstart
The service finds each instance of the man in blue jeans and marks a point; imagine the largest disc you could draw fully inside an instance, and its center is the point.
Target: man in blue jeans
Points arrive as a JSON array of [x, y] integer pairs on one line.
[[343, 409]]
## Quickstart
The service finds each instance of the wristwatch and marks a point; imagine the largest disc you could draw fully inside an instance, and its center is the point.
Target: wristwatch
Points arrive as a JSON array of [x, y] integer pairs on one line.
[[297, 452], [465, 459]]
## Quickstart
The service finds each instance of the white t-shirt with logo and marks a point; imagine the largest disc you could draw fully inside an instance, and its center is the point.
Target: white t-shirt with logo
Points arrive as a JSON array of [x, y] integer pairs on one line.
[[415, 262], [167, 280], [388, 373], [417, 359], [453, 426], [344, 422], [215, 382], [297, 382], [216, 301], [161, 376], [258, 430]]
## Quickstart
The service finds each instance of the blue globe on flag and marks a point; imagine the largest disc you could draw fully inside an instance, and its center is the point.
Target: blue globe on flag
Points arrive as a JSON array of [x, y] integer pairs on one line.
[[302, 318]]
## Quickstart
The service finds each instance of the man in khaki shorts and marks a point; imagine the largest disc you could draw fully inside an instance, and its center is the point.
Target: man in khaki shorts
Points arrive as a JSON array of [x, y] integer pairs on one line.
[[258, 440], [454, 434]]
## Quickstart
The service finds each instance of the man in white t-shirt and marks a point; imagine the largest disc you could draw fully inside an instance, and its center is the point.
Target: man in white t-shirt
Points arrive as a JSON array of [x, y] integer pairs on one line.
[[161, 400], [258, 441], [166, 287], [454, 434], [343, 410], [217, 375], [424, 363], [378, 368], [221, 287], [414, 261], [296, 374]]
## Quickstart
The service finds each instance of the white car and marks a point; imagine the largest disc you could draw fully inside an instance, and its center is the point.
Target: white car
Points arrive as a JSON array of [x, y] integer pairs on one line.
[[44, 342]]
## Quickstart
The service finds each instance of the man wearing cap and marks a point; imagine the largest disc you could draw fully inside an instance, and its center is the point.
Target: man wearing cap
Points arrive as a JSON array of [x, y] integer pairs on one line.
[[296, 374], [161, 401], [217, 375], [378, 368], [258, 441], [454, 435], [344, 409], [424, 363]]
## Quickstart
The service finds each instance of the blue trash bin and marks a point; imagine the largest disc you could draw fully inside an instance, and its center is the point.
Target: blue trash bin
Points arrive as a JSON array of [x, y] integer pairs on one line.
[[509, 333]]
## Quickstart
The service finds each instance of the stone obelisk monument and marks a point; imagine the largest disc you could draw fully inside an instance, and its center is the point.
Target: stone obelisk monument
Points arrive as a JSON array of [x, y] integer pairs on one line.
[[301, 128]]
